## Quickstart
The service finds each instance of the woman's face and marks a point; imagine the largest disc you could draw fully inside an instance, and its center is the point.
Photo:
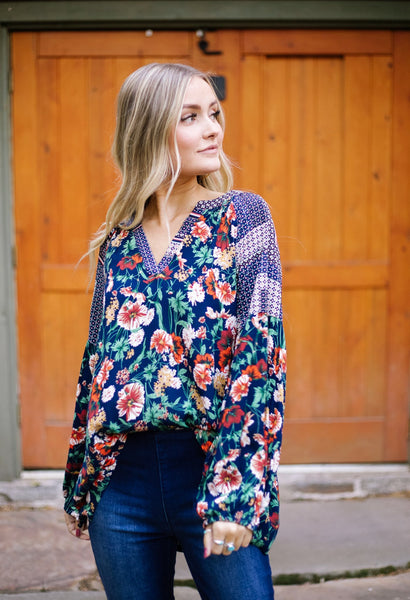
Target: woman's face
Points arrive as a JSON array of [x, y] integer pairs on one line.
[[198, 134]]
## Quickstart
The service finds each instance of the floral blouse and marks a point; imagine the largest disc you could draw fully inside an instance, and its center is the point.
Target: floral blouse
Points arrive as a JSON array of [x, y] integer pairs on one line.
[[193, 342]]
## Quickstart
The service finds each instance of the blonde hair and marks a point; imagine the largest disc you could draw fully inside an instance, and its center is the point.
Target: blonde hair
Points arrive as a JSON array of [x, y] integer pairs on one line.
[[148, 110]]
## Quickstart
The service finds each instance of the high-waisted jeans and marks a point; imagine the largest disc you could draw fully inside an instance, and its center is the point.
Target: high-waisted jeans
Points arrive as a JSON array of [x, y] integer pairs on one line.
[[148, 510]]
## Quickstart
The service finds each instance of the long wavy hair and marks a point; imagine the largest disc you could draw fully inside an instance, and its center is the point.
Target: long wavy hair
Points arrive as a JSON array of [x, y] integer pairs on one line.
[[145, 149]]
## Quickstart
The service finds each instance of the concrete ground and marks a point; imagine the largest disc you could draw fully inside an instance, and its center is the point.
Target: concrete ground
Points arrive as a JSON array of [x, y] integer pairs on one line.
[[336, 522]]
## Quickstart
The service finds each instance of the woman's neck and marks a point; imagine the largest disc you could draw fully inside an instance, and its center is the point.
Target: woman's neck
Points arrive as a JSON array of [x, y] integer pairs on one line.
[[180, 202]]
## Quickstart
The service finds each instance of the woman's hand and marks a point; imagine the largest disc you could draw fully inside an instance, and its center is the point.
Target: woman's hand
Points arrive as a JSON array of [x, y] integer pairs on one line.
[[73, 528], [223, 537]]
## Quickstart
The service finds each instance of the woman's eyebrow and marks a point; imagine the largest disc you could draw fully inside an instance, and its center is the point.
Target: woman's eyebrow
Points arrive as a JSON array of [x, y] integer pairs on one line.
[[197, 106]]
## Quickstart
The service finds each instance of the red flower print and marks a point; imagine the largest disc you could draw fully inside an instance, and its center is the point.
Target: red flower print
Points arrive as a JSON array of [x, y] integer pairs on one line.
[[132, 315], [274, 520], [206, 446], [258, 463], [211, 283], [207, 359], [243, 342], [177, 348], [201, 333], [129, 262], [82, 416], [252, 371], [231, 415], [231, 212], [279, 360], [166, 274], [161, 341], [240, 387], [201, 230], [225, 481], [222, 239], [131, 401], [77, 436], [245, 439], [104, 371], [260, 505], [202, 375], [224, 345], [272, 421], [201, 507], [224, 293]]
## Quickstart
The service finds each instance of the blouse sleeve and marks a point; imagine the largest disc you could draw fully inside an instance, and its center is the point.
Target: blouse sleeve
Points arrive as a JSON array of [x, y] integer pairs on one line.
[[76, 450], [240, 479]]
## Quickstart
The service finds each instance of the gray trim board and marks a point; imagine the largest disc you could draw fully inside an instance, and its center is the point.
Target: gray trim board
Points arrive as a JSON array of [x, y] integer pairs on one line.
[[176, 14], [9, 428]]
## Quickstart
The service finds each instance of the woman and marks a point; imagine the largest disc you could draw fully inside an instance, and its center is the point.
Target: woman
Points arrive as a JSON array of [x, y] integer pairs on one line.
[[178, 419]]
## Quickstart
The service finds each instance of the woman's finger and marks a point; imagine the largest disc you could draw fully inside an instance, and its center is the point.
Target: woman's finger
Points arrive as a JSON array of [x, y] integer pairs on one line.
[[224, 537], [73, 528], [207, 542]]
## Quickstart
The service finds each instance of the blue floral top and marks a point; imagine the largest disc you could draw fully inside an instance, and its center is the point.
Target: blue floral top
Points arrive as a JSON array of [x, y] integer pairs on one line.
[[195, 342]]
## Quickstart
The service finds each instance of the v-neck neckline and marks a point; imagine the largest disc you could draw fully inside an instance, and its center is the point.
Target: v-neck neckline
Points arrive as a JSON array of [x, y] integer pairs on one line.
[[144, 247]]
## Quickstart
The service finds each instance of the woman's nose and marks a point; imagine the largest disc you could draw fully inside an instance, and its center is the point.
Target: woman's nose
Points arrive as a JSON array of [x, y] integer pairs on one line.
[[212, 129]]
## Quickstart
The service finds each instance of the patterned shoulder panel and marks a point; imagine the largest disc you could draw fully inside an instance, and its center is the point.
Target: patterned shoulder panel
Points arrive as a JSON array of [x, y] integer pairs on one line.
[[257, 258], [97, 305]]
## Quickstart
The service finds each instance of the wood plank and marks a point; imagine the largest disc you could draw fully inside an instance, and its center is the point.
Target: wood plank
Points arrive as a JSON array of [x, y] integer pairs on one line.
[[49, 145], [335, 274], [64, 334], [375, 359], [329, 168], [28, 236], [398, 344], [305, 441], [316, 42], [301, 366], [250, 176], [103, 178], [73, 228], [113, 43], [356, 321], [275, 175], [357, 123], [380, 157], [64, 277], [326, 359], [303, 155], [58, 439]]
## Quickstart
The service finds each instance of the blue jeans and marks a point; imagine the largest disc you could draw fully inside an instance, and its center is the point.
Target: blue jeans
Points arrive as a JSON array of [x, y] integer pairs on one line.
[[148, 511]]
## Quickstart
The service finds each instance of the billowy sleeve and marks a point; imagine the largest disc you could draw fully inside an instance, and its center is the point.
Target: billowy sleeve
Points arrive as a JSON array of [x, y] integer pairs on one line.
[[77, 444], [240, 479]]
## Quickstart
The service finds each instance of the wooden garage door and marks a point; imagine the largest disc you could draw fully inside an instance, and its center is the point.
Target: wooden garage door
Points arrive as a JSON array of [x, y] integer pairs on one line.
[[312, 123]]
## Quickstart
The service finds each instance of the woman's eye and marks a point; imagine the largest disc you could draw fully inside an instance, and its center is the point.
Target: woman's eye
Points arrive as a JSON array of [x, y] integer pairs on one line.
[[189, 118], [216, 114]]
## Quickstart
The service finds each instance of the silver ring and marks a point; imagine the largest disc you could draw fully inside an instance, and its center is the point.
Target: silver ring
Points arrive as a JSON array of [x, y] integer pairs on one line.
[[209, 530], [230, 546], [219, 542]]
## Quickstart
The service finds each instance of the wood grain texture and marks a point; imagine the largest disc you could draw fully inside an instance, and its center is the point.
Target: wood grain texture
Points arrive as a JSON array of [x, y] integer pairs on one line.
[[398, 342], [28, 237], [319, 133], [317, 42]]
